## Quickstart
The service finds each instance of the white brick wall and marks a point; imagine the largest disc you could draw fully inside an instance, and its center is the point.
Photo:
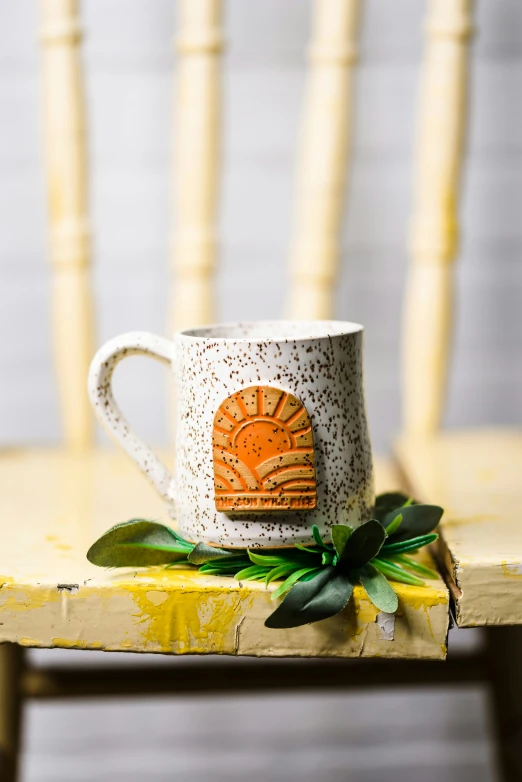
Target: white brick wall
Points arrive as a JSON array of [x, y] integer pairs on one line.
[[129, 58]]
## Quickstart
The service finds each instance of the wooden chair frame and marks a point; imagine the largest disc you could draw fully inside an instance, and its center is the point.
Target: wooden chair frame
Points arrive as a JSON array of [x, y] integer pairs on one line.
[[321, 182]]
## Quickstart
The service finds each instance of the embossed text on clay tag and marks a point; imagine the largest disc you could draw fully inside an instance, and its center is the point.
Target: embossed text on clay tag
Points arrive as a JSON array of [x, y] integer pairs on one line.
[[263, 452]]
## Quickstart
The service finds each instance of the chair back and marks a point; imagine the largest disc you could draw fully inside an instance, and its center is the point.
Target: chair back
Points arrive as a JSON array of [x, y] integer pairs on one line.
[[322, 168]]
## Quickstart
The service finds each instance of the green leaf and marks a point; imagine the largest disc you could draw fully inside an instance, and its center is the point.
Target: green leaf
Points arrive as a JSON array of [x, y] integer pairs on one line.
[[409, 545], [305, 548], [385, 503], [310, 601], [364, 543], [214, 571], [270, 561], [291, 580], [223, 566], [327, 558], [416, 520], [312, 574], [279, 572], [158, 542], [412, 564], [340, 536], [202, 553], [250, 573], [378, 589], [317, 536], [396, 573], [175, 549], [182, 541], [394, 525]]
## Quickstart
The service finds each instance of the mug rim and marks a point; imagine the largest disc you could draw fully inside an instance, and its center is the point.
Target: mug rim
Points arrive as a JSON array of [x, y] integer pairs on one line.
[[332, 328]]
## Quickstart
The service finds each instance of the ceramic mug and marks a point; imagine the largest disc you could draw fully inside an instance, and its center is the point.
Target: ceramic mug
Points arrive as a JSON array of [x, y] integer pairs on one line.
[[270, 432]]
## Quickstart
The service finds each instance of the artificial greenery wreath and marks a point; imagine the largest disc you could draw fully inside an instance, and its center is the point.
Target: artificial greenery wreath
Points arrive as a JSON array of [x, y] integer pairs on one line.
[[316, 580]]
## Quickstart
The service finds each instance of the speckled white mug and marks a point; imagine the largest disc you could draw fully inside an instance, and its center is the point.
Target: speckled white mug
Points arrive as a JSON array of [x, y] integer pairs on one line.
[[316, 364]]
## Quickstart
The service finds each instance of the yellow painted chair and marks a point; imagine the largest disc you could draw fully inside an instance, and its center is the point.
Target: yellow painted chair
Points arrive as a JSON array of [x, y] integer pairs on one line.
[[51, 596]]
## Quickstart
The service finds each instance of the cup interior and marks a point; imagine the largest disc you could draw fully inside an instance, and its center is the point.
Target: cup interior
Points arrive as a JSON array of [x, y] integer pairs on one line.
[[273, 330]]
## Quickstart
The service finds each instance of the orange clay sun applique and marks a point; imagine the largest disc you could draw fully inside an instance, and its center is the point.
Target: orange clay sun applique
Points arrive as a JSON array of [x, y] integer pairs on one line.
[[263, 452]]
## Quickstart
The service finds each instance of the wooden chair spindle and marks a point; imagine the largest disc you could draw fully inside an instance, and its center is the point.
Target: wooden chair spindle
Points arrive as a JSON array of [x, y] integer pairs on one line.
[[434, 229], [323, 159], [66, 163], [196, 163]]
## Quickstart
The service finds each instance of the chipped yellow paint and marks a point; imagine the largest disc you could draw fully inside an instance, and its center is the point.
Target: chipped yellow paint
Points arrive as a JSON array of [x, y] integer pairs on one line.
[[512, 570], [18, 599], [73, 500], [30, 642], [443, 645], [179, 624], [420, 597], [155, 597], [365, 615], [68, 643], [367, 612], [415, 597], [475, 476]]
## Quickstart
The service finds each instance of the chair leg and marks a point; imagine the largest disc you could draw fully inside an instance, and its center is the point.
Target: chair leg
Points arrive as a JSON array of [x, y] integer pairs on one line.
[[11, 663], [504, 665]]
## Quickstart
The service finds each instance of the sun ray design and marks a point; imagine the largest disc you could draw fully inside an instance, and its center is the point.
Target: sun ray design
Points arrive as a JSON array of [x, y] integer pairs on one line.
[[263, 452]]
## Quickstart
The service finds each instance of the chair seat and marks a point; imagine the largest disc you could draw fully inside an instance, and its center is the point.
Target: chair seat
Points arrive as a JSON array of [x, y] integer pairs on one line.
[[477, 477], [54, 504]]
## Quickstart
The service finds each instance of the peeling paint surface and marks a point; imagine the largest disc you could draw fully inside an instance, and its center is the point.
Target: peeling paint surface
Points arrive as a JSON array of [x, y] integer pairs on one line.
[[512, 569], [53, 597], [476, 476], [386, 623]]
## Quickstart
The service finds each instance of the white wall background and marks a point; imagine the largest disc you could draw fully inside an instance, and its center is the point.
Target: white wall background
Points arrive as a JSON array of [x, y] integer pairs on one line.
[[129, 67]]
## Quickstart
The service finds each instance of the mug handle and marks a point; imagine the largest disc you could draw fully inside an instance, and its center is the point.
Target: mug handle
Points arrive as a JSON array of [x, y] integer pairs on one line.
[[135, 343]]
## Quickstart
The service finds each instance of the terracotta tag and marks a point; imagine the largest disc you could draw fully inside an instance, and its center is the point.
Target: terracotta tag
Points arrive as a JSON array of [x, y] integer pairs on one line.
[[263, 452]]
